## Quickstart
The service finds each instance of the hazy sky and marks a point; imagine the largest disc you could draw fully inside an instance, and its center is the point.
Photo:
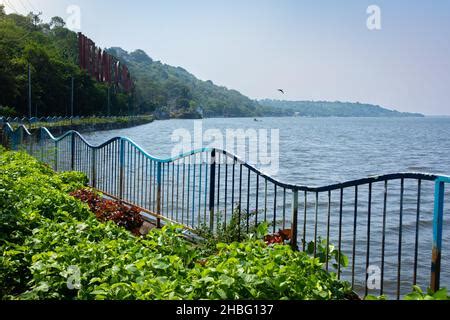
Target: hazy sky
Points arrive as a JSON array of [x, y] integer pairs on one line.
[[315, 50]]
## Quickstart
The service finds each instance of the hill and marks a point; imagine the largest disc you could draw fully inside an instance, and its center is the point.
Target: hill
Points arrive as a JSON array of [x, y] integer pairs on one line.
[[175, 91], [51, 51], [331, 109]]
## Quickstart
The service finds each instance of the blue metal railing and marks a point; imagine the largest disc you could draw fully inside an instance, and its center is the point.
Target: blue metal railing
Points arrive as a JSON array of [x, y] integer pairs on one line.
[[381, 221]]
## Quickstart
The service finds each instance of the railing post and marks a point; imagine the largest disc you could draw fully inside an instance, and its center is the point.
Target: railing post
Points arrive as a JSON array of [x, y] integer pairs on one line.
[[212, 186], [294, 221], [158, 196], [72, 160], [437, 235], [121, 169]]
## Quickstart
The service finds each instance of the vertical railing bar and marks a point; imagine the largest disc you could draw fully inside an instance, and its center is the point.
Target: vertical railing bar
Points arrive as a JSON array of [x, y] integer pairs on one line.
[[146, 185], [275, 209], [294, 221], [400, 239], [212, 189], [248, 201], [355, 226], [206, 191], [219, 162], [107, 168], [152, 185], [178, 192], [163, 195], [56, 156], [122, 169], [104, 182], [233, 187], [257, 199], [72, 160], [438, 219], [284, 208], [265, 199], [168, 190], [316, 224], [226, 193], [416, 248], [328, 230], [188, 208], [114, 169], [158, 198], [111, 166], [383, 241], [341, 203], [200, 194], [193, 193], [94, 168], [369, 216], [184, 190], [141, 178], [240, 203], [173, 190], [304, 220], [128, 169]]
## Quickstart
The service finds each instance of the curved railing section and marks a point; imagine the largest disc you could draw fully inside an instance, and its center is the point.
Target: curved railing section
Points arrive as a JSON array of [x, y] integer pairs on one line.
[[387, 227]]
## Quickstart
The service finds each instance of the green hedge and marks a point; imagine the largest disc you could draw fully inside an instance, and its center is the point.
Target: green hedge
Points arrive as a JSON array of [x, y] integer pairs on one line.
[[52, 247]]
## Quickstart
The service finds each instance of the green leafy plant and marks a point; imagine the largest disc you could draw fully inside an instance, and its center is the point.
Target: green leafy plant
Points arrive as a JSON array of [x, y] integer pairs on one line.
[[234, 230], [326, 252], [418, 294]]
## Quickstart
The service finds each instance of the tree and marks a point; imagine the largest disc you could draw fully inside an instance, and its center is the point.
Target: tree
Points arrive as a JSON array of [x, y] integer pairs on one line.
[[57, 22], [35, 19], [2, 10]]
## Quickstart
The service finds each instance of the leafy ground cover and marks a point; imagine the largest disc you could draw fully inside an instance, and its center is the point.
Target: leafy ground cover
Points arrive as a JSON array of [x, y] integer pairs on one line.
[[53, 247]]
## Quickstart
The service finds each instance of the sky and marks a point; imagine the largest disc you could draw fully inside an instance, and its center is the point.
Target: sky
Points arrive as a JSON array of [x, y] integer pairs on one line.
[[314, 50]]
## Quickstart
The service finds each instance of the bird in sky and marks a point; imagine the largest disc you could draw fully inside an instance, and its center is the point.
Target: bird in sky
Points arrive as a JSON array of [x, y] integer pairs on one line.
[[281, 90]]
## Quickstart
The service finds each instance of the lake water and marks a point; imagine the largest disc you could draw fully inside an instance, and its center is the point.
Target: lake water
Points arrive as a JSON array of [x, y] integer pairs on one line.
[[322, 151]]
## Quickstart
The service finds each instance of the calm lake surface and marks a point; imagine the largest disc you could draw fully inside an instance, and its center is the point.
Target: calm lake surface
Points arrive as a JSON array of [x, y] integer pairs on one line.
[[322, 151]]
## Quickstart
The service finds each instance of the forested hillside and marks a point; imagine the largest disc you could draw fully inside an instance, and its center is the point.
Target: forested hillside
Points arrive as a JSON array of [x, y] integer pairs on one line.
[[51, 51], [180, 93]]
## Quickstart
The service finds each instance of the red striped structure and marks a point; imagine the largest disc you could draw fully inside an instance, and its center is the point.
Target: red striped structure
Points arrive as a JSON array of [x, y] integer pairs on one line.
[[102, 66]]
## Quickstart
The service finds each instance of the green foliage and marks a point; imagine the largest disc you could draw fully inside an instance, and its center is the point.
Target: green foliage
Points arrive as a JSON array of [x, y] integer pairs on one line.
[[53, 247], [234, 230], [7, 112], [332, 254], [52, 52], [254, 270], [418, 294]]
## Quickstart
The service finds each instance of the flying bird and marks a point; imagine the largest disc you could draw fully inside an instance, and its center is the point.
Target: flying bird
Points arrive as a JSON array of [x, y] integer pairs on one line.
[[281, 90]]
